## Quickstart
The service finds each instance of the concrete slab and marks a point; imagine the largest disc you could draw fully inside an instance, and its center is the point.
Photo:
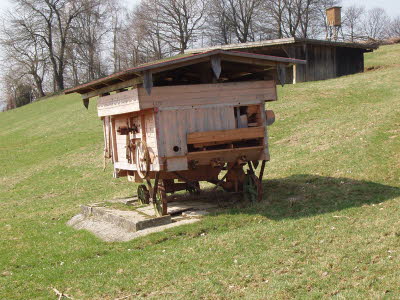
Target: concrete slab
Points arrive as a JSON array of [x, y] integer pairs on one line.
[[112, 222], [129, 220], [112, 233]]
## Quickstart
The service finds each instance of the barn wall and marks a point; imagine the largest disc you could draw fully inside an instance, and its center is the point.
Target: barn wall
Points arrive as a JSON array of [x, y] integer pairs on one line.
[[323, 61], [349, 61]]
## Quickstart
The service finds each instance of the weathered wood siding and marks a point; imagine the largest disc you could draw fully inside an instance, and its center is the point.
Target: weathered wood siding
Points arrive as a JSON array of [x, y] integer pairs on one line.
[[121, 139], [169, 96], [176, 124], [325, 62], [349, 61], [149, 133]]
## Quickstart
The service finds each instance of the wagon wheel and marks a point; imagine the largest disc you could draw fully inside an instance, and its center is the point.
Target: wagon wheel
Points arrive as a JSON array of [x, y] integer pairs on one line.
[[159, 200], [252, 188], [143, 194], [142, 159], [193, 187]]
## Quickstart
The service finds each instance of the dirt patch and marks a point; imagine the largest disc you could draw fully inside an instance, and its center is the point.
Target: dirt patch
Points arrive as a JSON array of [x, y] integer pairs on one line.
[[373, 68]]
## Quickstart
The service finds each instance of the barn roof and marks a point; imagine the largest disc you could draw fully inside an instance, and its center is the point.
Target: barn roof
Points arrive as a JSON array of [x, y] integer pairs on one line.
[[286, 41], [179, 61]]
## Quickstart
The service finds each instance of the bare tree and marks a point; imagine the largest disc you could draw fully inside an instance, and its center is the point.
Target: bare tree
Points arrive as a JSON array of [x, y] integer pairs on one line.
[[376, 23], [88, 30], [394, 30], [242, 17], [352, 19], [147, 18], [181, 20], [53, 20], [219, 29], [276, 9], [307, 13], [116, 24], [24, 52], [18, 91]]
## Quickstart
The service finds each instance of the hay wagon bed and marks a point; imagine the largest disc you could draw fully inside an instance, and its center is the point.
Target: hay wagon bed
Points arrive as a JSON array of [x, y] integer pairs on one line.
[[202, 117]]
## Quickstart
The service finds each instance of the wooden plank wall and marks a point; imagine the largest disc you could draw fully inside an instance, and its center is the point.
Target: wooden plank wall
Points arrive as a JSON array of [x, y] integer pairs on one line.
[[324, 62], [349, 61], [321, 62], [151, 138], [150, 134], [196, 94], [121, 139], [118, 103], [176, 124]]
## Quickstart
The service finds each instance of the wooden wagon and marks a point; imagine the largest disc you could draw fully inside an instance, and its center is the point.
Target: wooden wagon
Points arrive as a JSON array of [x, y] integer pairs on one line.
[[191, 118]]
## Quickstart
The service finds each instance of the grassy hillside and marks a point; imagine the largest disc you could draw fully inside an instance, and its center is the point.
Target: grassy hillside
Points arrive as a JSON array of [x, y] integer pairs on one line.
[[329, 224]]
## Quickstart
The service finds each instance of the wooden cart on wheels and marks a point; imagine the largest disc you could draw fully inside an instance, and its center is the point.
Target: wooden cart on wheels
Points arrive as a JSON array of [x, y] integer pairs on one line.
[[187, 119]]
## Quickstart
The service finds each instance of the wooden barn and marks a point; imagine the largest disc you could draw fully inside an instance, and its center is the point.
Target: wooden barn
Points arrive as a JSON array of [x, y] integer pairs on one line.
[[325, 59], [187, 119]]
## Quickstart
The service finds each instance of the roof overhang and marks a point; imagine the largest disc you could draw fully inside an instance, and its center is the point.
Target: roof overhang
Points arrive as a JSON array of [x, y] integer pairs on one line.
[[144, 73], [278, 42]]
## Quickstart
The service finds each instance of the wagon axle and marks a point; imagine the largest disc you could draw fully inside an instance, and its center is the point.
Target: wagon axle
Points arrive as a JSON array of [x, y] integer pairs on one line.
[[235, 180]]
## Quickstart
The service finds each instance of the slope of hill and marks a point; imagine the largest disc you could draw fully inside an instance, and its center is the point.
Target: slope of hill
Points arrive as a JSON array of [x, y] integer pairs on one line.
[[329, 225]]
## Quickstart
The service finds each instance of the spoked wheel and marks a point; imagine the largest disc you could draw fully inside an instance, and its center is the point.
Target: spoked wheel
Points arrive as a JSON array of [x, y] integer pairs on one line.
[[143, 194], [193, 188], [160, 201], [142, 159], [252, 188]]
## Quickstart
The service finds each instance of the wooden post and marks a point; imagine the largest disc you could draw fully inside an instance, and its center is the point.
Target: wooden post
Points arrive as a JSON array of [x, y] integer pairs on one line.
[[114, 141], [294, 74]]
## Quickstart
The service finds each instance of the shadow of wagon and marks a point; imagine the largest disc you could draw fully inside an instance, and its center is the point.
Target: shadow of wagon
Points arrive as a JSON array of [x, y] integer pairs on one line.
[[305, 195]]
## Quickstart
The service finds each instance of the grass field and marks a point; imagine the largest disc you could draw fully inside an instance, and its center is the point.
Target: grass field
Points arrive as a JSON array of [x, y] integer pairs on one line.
[[329, 225]]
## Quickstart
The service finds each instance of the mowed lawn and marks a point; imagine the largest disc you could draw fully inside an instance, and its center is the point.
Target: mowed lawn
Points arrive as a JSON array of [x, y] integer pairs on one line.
[[329, 225]]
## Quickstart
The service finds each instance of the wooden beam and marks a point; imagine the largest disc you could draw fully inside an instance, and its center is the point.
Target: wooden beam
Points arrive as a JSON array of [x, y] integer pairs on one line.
[[112, 88], [181, 64], [148, 81], [228, 155], [203, 94], [225, 135], [119, 103], [248, 60]]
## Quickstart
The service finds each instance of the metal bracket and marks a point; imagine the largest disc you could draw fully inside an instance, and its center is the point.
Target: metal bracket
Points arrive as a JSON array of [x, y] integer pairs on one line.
[[86, 103], [148, 81], [216, 65]]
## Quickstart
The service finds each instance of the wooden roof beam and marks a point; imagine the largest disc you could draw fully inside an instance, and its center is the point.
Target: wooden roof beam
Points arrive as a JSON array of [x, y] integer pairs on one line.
[[112, 88]]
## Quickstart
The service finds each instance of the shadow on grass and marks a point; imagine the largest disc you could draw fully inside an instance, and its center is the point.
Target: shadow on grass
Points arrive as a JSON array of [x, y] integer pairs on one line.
[[305, 195]]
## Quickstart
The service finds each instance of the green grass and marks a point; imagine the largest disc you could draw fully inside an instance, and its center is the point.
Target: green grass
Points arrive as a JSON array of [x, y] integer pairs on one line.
[[329, 225]]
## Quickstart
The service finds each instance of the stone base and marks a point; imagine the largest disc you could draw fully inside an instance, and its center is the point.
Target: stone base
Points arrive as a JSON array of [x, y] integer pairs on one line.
[[131, 220]]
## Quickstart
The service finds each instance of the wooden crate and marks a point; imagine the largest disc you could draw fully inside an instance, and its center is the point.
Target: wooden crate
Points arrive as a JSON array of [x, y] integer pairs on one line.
[[333, 16]]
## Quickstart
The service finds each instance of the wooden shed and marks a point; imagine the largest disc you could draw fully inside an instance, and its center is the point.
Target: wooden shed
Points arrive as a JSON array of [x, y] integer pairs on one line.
[[325, 59], [187, 119]]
